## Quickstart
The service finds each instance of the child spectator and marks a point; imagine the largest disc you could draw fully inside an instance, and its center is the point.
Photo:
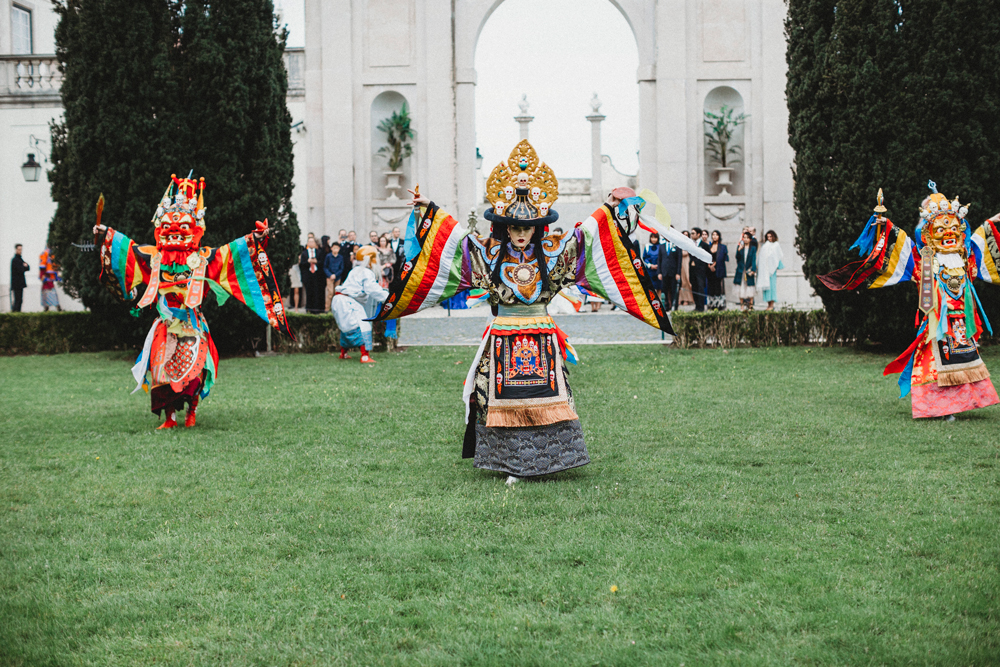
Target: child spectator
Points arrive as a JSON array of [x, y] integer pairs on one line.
[[333, 268]]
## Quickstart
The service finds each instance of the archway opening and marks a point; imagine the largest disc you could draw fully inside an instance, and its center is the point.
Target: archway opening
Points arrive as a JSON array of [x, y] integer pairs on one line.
[[558, 53]]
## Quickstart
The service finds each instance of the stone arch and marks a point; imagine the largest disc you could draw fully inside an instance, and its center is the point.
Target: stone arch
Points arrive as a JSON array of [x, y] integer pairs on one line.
[[470, 18], [638, 15]]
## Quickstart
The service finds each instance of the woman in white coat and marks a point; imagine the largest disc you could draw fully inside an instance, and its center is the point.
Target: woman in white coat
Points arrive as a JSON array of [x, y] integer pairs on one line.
[[769, 260]]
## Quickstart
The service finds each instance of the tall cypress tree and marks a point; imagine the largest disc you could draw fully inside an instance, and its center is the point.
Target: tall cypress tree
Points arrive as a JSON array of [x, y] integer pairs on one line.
[[118, 134], [887, 93], [239, 127], [180, 86]]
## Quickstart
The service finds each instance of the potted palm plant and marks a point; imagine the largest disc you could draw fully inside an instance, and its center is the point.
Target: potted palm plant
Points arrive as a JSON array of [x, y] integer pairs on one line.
[[719, 144], [397, 148]]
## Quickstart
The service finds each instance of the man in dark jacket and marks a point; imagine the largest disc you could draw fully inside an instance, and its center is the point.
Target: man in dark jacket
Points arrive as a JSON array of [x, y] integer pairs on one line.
[[670, 274], [18, 267], [347, 250], [698, 272]]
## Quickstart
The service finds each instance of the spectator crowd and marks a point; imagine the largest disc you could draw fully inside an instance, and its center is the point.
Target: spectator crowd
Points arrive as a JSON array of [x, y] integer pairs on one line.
[[324, 265], [681, 279]]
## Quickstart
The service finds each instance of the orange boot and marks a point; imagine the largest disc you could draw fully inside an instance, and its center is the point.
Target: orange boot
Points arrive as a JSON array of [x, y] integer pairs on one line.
[[365, 359], [190, 418], [169, 422]]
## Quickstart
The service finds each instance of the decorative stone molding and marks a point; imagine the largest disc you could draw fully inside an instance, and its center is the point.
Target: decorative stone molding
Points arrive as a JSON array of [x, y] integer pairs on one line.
[[728, 218], [387, 216]]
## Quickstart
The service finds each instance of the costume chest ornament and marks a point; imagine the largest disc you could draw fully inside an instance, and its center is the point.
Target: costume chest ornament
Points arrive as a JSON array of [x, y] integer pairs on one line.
[[523, 277], [524, 274]]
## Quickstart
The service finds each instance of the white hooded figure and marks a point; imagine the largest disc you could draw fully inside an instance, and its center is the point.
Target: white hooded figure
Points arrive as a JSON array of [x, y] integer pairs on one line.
[[356, 300]]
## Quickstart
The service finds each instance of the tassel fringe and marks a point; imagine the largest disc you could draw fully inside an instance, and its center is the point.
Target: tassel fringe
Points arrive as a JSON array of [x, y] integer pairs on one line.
[[966, 376], [530, 416]]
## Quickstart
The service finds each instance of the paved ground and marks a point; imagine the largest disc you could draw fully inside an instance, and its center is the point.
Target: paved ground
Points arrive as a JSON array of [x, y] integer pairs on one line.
[[465, 327]]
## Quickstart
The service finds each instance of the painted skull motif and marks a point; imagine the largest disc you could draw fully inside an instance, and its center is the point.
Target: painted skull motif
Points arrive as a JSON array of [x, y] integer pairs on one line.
[[536, 192], [959, 331], [499, 207], [522, 181], [543, 208], [177, 230], [508, 192]]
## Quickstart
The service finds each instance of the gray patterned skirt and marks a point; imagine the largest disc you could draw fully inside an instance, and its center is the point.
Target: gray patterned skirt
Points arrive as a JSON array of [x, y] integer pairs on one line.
[[532, 451]]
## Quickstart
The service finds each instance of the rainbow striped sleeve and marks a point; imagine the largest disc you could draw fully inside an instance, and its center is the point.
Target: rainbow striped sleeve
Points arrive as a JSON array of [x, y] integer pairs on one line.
[[900, 259], [242, 269], [124, 265], [432, 276], [986, 251], [610, 267]]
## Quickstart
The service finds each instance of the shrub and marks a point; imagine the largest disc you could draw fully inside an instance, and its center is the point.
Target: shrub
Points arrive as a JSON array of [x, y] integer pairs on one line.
[[58, 333], [733, 328]]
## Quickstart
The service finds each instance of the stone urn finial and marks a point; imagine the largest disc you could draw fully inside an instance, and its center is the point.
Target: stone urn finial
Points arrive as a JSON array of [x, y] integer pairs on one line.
[[472, 221], [595, 104], [523, 104]]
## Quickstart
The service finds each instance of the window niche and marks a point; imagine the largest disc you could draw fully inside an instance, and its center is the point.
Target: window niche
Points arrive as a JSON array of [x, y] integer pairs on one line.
[[388, 184], [723, 180]]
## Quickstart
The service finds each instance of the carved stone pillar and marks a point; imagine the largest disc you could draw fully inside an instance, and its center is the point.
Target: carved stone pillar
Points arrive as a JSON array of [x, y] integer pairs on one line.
[[523, 119], [595, 118]]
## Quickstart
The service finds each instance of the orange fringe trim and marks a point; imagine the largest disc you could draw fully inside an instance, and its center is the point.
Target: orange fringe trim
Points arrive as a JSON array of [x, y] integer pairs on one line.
[[967, 376], [542, 415]]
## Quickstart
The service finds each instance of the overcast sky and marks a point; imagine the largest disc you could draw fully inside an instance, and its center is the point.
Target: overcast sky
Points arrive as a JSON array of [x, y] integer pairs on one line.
[[558, 52]]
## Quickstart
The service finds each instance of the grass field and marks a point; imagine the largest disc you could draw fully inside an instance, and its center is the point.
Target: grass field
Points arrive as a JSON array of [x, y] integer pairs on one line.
[[751, 507]]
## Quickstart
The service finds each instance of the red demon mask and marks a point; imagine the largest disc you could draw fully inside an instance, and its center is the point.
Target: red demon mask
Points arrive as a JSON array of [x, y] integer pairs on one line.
[[179, 222]]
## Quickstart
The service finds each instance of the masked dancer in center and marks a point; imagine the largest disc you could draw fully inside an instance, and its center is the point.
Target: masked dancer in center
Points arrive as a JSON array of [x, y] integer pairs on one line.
[[520, 415]]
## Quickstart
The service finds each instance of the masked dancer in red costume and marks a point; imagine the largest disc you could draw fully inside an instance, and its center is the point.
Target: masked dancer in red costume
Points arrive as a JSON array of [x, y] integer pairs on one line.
[[172, 277], [942, 369]]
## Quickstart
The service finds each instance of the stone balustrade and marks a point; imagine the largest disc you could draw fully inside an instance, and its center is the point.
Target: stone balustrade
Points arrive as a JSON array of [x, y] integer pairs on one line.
[[29, 79], [34, 80]]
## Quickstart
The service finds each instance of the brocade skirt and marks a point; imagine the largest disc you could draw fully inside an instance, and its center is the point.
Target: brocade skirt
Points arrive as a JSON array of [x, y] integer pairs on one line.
[[522, 417]]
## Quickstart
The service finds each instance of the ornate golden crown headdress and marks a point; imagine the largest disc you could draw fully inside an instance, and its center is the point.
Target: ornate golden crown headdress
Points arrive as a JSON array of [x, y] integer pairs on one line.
[[522, 182]]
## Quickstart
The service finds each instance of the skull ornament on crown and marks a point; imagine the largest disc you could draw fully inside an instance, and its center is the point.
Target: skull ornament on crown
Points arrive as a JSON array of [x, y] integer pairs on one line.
[[179, 221], [944, 226]]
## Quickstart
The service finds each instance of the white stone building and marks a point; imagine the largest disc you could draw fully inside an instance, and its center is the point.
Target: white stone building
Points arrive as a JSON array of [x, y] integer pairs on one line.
[[363, 58]]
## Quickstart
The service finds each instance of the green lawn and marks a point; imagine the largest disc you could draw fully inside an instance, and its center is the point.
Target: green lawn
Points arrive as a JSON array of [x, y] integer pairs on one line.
[[751, 507]]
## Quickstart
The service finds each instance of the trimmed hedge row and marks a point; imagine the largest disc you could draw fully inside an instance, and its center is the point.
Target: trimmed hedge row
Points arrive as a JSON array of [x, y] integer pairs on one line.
[[60, 333], [758, 328], [56, 333]]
